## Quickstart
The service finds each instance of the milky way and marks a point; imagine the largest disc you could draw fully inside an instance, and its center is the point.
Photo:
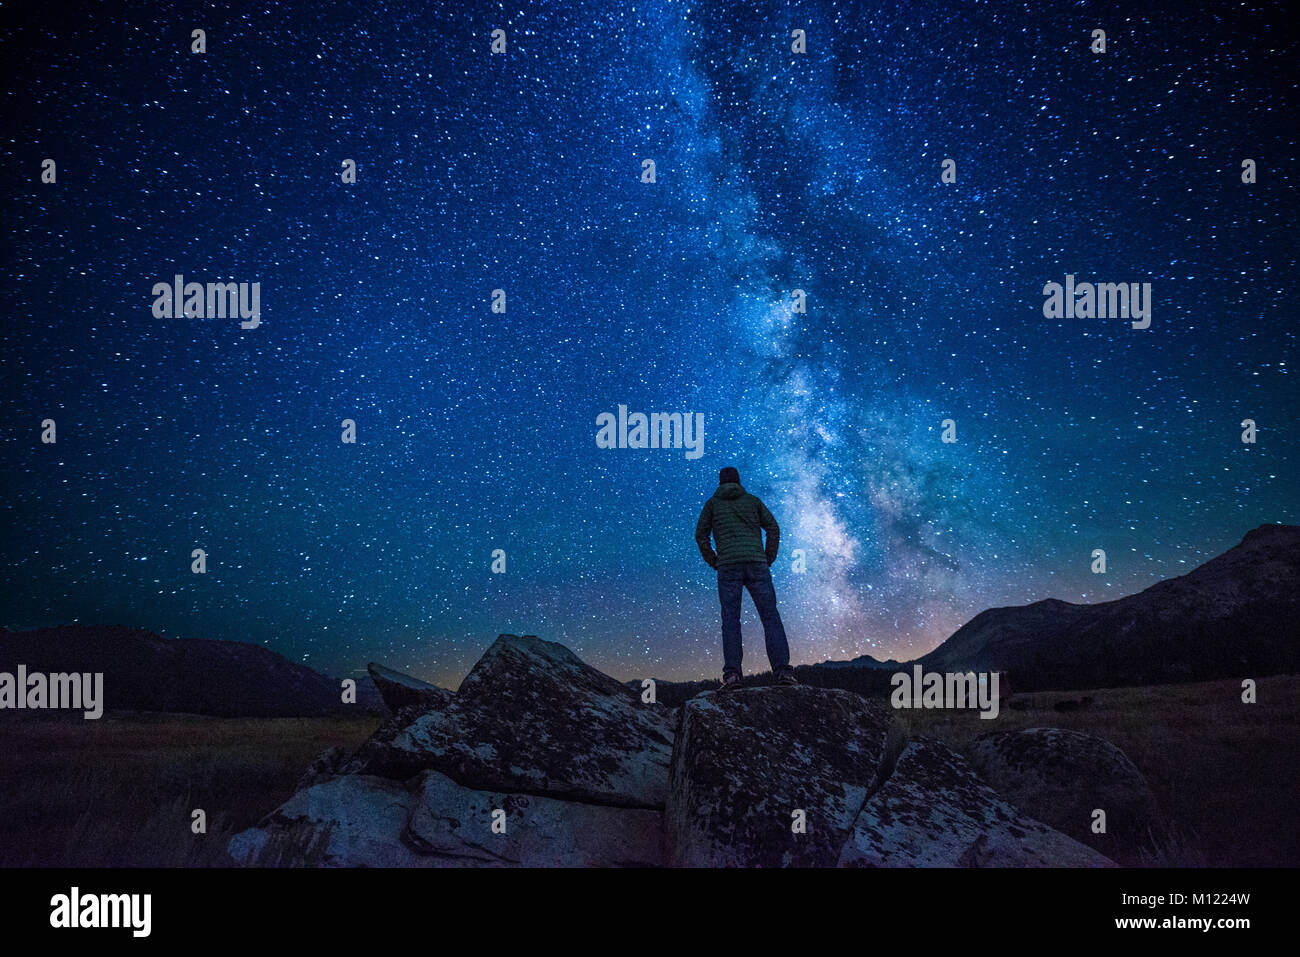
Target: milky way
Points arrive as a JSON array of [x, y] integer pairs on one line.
[[775, 171]]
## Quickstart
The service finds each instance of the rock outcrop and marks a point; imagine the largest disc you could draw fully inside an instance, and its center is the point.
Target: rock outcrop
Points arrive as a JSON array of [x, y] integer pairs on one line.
[[1061, 777], [538, 760], [532, 717], [400, 691], [541, 760]]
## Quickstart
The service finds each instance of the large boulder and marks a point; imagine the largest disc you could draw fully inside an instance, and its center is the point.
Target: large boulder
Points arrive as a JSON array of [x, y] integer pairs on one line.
[[450, 820], [1061, 777], [350, 821], [748, 760], [934, 811], [431, 821], [400, 690], [575, 761], [532, 717]]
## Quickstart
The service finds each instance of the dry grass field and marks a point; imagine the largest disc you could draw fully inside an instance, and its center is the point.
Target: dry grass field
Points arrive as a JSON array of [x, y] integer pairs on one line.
[[120, 791], [1225, 774]]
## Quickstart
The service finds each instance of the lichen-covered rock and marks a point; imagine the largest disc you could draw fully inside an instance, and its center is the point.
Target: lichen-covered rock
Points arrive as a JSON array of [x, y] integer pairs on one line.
[[450, 820], [401, 690], [748, 760], [934, 811], [1060, 777], [533, 717], [581, 773]]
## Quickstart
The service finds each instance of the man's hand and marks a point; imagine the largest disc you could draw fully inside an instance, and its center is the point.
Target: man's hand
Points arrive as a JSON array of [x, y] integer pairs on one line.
[[703, 532]]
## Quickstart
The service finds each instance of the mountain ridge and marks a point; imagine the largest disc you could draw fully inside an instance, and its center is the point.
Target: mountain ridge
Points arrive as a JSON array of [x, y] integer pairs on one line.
[[144, 671], [1245, 599], [1234, 614]]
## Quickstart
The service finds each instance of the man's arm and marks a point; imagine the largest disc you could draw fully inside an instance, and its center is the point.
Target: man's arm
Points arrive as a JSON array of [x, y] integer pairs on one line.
[[703, 528], [773, 530]]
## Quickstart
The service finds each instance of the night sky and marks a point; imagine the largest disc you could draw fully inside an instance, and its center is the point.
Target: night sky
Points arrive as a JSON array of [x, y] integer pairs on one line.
[[523, 171]]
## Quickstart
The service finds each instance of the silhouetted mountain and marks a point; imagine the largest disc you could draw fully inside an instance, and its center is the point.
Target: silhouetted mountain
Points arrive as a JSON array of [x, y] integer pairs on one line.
[[1238, 615], [861, 661], [146, 672]]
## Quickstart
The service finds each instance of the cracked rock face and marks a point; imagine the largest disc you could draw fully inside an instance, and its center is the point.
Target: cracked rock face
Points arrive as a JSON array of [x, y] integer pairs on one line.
[[747, 760], [431, 821], [934, 811], [449, 820], [1060, 777], [533, 717]]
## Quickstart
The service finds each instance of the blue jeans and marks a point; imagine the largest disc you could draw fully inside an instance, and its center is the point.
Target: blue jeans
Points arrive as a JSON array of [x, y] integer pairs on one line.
[[756, 577]]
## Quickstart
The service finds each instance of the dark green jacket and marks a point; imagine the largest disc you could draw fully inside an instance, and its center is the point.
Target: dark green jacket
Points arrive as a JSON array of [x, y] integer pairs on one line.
[[736, 520]]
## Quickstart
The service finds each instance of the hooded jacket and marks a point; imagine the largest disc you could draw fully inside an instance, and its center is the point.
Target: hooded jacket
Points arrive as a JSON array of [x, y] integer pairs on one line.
[[736, 521]]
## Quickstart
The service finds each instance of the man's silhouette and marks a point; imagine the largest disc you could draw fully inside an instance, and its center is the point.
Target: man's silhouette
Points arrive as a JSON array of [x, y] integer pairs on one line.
[[737, 520]]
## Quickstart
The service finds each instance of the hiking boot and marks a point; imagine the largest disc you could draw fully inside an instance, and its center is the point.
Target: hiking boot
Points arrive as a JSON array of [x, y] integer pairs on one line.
[[730, 681], [786, 677]]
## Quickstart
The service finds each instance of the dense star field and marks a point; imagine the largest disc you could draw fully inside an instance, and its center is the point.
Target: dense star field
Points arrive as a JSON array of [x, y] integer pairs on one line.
[[523, 171]]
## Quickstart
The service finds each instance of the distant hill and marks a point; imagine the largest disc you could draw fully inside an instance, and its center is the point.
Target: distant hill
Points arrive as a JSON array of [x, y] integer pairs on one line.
[[1236, 615], [146, 672], [861, 661]]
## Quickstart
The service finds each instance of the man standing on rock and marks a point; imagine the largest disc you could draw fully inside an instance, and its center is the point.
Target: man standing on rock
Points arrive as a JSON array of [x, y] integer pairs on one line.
[[737, 520]]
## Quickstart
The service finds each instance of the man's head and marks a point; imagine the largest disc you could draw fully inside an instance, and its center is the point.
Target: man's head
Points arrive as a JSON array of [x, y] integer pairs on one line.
[[728, 474]]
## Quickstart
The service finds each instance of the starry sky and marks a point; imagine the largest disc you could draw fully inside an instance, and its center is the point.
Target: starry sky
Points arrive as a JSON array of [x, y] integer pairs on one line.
[[522, 171]]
